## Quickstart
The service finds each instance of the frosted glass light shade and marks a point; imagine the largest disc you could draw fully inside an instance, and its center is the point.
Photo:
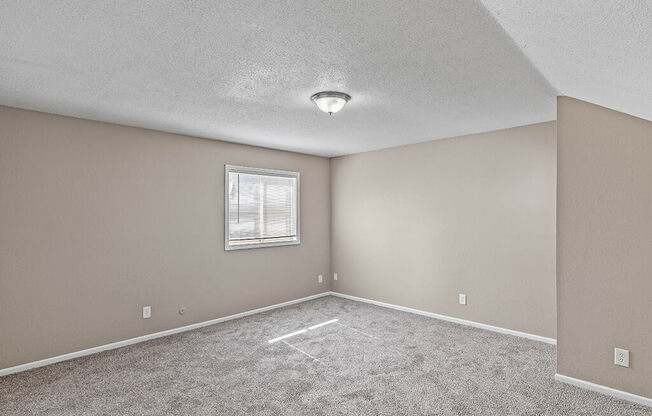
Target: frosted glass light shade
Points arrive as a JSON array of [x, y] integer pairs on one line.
[[330, 101]]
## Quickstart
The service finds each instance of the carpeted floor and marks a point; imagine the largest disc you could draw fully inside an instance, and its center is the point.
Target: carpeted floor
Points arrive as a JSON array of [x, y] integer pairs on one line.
[[372, 361]]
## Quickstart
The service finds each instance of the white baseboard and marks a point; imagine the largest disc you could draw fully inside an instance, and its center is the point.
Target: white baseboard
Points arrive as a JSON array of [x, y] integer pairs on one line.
[[619, 394], [450, 319], [70, 356]]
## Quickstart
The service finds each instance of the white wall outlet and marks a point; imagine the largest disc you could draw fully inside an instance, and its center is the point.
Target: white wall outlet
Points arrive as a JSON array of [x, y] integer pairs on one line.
[[621, 357], [147, 312], [462, 299], [334, 276], [320, 278]]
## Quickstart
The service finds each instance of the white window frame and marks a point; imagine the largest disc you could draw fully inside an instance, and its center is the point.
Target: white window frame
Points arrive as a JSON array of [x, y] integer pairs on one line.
[[266, 172]]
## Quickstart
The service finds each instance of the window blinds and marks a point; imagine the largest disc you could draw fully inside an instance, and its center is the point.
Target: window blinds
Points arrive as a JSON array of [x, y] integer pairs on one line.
[[261, 208]]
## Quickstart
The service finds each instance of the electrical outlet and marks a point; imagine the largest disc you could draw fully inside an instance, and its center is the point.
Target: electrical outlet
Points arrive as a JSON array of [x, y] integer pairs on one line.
[[462, 299], [334, 276], [621, 357], [147, 312], [320, 278]]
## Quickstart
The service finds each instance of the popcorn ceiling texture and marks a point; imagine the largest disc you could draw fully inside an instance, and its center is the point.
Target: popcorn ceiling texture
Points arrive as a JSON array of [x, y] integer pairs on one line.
[[598, 51], [374, 361], [243, 71]]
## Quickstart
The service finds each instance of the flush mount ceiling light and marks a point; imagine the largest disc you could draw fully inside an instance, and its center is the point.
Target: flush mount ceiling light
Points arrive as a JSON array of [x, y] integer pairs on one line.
[[330, 101]]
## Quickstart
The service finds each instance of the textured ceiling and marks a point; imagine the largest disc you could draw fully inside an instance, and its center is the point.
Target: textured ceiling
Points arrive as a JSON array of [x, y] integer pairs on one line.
[[244, 71], [594, 50]]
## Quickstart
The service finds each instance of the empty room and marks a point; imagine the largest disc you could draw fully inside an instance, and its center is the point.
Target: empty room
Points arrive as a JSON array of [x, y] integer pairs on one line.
[[424, 207]]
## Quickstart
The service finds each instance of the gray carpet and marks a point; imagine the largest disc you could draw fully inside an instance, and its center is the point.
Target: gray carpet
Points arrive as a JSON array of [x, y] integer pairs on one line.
[[373, 361]]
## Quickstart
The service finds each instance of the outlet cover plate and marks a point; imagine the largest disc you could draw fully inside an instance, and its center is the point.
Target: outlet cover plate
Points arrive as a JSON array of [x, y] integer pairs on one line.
[[621, 357], [462, 299], [147, 312]]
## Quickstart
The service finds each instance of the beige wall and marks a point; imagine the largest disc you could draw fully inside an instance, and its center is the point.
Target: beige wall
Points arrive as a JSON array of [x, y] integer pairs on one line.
[[97, 220], [604, 246], [416, 225]]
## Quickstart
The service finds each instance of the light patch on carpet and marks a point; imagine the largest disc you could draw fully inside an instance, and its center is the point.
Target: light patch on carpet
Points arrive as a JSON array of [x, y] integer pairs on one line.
[[299, 349], [282, 337], [302, 331]]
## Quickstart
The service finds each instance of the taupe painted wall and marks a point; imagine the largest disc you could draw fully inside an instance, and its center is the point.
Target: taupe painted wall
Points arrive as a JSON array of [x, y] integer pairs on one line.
[[97, 220], [604, 245], [416, 225]]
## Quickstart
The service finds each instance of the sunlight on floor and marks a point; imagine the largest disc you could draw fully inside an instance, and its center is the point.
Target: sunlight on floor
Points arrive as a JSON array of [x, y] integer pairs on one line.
[[302, 331]]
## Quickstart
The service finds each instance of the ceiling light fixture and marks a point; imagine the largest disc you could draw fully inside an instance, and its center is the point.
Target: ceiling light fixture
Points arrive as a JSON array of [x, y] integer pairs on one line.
[[330, 101]]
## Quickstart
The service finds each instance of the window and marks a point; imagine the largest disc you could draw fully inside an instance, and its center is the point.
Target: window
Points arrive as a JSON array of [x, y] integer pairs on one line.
[[261, 207]]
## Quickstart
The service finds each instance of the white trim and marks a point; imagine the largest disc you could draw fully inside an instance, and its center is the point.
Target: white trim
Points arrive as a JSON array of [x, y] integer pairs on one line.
[[71, 355], [265, 172], [619, 394], [450, 319]]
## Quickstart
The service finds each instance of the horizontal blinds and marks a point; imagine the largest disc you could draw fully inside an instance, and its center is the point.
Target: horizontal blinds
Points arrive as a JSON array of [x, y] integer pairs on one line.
[[262, 207]]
